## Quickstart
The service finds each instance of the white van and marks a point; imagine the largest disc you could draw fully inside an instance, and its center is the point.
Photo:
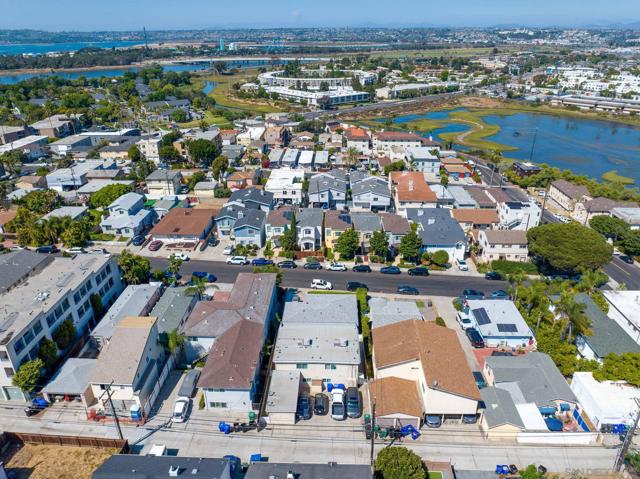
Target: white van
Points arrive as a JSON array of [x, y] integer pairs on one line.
[[462, 265]]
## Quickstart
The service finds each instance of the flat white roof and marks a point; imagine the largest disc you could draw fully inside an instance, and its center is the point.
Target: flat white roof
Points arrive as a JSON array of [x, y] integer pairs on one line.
[[498, 318], [306, 157], [283, 391], [22, 143], [316, 343], [627, 303]]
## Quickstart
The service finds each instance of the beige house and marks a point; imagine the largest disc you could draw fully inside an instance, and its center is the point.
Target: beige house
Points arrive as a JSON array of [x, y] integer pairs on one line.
[[599, 206], [476, 218], [566, 194], [432, 357], [508, 245], [31, 182]]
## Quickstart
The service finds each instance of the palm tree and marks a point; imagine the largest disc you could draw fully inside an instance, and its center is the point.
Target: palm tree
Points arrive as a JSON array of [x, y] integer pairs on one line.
[[590, 280], [515, 279], [351, 158], [573, 315], [197, 288]]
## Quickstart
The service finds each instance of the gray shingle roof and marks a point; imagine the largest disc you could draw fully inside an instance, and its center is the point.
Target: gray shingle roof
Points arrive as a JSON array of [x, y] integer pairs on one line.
[[309, 217], [248, 196], [126, 201], [129, 466], [383, 311], [266, 470], [437, 227], [173, 306], [379, 187], [321, 308], [72, 378], [500, 408], [365, 221], [251, 218], [607, 335], [162, 175], [570, 190]]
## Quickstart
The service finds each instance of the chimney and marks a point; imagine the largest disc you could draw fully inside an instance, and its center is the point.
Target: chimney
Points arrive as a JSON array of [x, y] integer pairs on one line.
[[290, 475], [173, 471]]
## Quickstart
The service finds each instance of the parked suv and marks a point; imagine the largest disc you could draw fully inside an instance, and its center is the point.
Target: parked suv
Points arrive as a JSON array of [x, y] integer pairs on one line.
[[321, 284], [354, 405], [338, 412], [49, 249], [475, 338], [241, 260]]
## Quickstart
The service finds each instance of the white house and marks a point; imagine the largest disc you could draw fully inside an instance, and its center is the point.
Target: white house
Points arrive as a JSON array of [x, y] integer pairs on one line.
[[499, 323], [286, 185], [518, 215], [503, 245], [423, 159]]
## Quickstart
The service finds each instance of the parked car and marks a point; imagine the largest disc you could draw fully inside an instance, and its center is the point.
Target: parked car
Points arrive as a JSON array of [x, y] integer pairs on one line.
[[338, 410], [261, 262], [312, 265], [74, 250], [493, 276], [48, 249], [170, 276], [469, 418], [462, 265], [499, 294], [212, 241], [616, 251], [321, 284], [406, 289], [354, 403], [303, 410], [181, 409], [464, 321], [390, 270], [209, 277], [433, 421], [336, 267], [17, 247], [472, 294], [321, 404], [138, 240], [228, 250], [188, 387], [180, 255], [474, 338], [287, 264], [355, 285], [418, 271], [626, 259], [479, 378], [361, 268], [155, 245], [241, 260]]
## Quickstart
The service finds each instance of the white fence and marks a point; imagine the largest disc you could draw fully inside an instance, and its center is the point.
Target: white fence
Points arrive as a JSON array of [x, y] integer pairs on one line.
[[562, 438]]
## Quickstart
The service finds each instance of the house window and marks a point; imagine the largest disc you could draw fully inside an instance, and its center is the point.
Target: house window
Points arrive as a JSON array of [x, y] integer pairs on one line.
[[218, 404], [330, 366], [9, 372], [18, 346], [28, 337], [302, 365]]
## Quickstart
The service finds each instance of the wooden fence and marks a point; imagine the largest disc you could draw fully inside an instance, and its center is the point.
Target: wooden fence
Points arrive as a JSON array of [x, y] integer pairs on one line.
[[78, 441]]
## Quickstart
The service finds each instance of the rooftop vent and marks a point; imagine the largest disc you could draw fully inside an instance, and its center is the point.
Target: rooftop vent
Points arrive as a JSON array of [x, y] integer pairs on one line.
[[174, 471]]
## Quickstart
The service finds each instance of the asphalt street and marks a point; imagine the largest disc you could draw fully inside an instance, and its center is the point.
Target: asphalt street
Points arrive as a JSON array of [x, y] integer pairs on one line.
[[435, 284], [621, 272]]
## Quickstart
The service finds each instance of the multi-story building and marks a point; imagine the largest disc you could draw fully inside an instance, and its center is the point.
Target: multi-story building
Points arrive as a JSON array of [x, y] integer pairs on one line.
[[32, 310], [566, 194], [423, 159], [519, 215], [359, 139], [286, 185], [328, 190], [383, 141], [150, 148], [33, 146], [510, 245], [163, 183]]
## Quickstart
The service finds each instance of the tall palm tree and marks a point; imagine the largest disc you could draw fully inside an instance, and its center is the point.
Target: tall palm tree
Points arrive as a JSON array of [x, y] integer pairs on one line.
[[197, 288], [573, 316], [590, 280], [515, 280], [351, 158]]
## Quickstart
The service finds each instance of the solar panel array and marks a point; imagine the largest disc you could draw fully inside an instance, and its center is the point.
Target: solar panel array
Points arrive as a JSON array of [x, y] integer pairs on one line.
[[507, 328], [481, 316]]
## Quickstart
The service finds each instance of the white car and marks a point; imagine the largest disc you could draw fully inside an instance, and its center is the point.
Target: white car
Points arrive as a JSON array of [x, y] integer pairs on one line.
[[181, 409], [464, 321], [101, 251], [462, 265], [321, 284], [616, 251], [75, 250], [182, 256], [338, 409], [228, 250], [336, 267], [241, 260]]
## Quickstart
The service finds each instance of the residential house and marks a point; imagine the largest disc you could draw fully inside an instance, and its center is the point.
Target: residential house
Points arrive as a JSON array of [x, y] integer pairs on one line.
[[9, 134], [332, 470], [397, 401], [85, 191], [120, 466], [310, 227], [226, 218], [276, 136], [328, 190], [431, 356], [31, 182], [275, 157], [631, 216], [365, 223], [321, 159], [72, 212], [439, 231], [57, 126], [395, 226], [228, 137], [163, 183], [233, 152], [335, 223], [485, 198], [162, 207], [71, 382], [410, 190], [499, 323], [172, 310], [286, 186], [423, 159], [6, 217], [383, 141], [518, 215], [282, 399], [239, 180], [251, 134], [150, 147], [131, 365], [478, 219], [510, 245], [525, 169], [624, 309], [306, 159], [461, 197], [456, 171], [33, 146], [566, 194], [444, 199], [383, 312], [585, 210], [252, 297], [278, 221], [371, 193], [205, 189], [359, 139], [249, 228], [252, 198], [57, 289], [289, 158], [607, 336], [184, 224], [302, 141], [127, 216]]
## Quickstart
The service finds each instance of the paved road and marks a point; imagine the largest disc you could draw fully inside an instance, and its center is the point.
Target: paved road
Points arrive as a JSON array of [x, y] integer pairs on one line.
[[438, 285], [621, 272]]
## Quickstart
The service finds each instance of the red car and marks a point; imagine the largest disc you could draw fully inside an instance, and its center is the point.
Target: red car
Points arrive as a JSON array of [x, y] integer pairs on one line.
[[155, 245]]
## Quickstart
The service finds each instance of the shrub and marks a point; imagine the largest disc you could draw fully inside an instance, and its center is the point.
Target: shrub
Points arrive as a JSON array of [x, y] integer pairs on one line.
[[440, 321], [201, 402], [457, 304]]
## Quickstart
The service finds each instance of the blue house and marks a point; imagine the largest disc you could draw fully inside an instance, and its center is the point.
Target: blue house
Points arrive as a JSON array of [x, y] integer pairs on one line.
[[249, 228]]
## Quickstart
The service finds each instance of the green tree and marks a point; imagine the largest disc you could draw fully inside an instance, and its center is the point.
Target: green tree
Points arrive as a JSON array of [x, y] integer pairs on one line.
[[624, 367], [108, 194], [219, 166], [96, 304], [174, 266], [379, 243], [531, 472], [348, 243], [202, 151], [27, 376], [41, 201], [569, 247], [134, 153], [399, 463], [141, 169], [440, 257], [175, 340], [268, 250], [352, 157], [12, 161], [196, 178], [289, 240], [178, 115], [135, 269], [573, 316], [271, 268], [65, 334], [169, 154], [197, 288], [410, 244], [48, 352], [631, 243], [609, 226], [76, 234]]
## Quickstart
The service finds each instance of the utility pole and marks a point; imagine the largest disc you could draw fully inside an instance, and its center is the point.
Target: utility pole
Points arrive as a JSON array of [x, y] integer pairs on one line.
[[113, 410], [627, 440], [373, 432]]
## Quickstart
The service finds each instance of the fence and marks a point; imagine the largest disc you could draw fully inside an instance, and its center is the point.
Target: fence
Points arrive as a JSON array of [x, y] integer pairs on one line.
[[78, 441]]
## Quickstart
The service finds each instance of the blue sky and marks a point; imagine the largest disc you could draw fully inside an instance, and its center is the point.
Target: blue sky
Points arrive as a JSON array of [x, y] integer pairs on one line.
[[86, 15]]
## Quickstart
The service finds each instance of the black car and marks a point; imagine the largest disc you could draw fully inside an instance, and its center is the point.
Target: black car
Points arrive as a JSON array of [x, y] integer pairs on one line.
[[406, 289], [303, 410], [418, 271], [354, 404], [138, 240], [321, 404], [361, 268], [312, 266], [48, 249], [356, 285], [390, 270], [472, 294], [475, 338], [493, 275], [626, 259], [287, 264]]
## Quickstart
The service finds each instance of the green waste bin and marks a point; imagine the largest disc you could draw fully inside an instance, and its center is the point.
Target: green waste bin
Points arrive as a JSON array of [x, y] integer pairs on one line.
[[252, 416], [383, 433]]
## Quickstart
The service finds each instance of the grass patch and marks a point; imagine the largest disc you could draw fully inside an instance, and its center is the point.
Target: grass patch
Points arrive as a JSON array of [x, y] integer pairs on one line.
[[122, 239], [420, 304], [321, 291], [613, 177], [435, 475], [210, 119], [505, 267], [101, 237]]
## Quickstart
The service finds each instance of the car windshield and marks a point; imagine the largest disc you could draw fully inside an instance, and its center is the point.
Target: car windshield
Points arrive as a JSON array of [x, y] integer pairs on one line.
[[337, 409]]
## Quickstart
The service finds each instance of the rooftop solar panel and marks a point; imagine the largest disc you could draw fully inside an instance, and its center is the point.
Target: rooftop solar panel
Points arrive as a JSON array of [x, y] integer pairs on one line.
[[481, 316], [507, 328]]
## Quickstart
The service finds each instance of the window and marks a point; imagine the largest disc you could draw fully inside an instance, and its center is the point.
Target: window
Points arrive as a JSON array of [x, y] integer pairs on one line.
[[59, 311], [330, 366], [65, 304], [51, 319], [9, 372], [4, 356], [28, 337], [302, 365], [326, 380], [18, 346], [76, 297], [218, 404]]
